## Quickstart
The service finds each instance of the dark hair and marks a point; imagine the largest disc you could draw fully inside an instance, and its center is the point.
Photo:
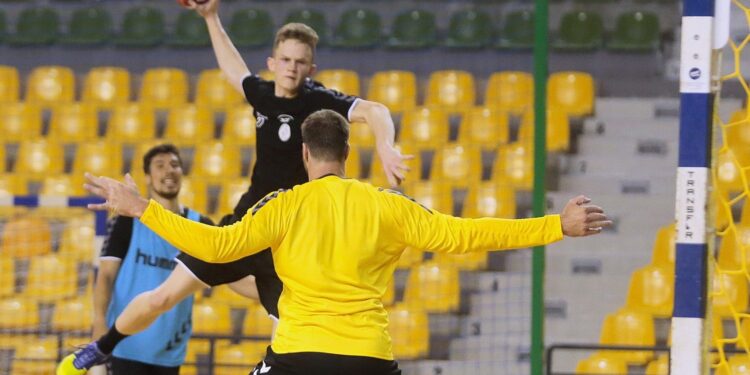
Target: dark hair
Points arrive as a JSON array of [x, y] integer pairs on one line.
[[166, 148], [297, 31], [326, 134]]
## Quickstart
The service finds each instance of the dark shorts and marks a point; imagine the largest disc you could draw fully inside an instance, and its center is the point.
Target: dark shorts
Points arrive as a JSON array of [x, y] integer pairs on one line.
[[259, 265], [313, 363], [120, 366]]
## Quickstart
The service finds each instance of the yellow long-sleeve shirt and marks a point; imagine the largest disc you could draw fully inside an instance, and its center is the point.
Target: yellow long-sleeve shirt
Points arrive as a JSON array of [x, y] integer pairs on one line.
[[335, 245]]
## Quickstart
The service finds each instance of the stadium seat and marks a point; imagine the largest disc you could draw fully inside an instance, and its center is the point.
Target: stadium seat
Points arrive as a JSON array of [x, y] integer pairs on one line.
[[239, 126], [257, 322], [490, 199], [36, 357], [738, 364], [88, 27], [435, 195], [629, 327], [190, 125], [736, 135], [413, 29], [9, 84], [189, 31], [164, 88], [510, 91], [231, 191], [20, 122], [472, 261], [396, 89], [50, 85], [360, 135], [652, 290], [358, 28], [345, 81], [732, 253], [142, 27], [558, 129], [266, 74], [38, 159], [729, 294], [409, 258], [196, 348], [211, 319], [131, 123], [353, 164], [571, 92], [484, 127], [73, 123], [215, 162], [659, 366], [728, 172], [470, 29], [243, 356], [457, 165], [214, 91], [635, 31], [106, 87], [7, 276], [73, 315], [12, 184], [18, 313], [433, 286], [36, 27], [194, 194], [78, 239], [62, 186], [580, 31], [100, 158], [251, 28], [26, 236], [514, 165], [410, 331], [425, 128], [664, 246], [451, 90], [224, 295], [377, 176], [51, 277], [313, 18], [602, 362], [518, 30]]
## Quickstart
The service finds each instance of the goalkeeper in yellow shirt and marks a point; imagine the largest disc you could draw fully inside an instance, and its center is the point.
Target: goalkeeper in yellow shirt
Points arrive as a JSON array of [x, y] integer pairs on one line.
[[335, 244]]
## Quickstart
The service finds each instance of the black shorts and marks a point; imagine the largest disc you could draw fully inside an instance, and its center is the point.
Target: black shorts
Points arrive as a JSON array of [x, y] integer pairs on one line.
[[259, 265], [313, 363], [120, 366]]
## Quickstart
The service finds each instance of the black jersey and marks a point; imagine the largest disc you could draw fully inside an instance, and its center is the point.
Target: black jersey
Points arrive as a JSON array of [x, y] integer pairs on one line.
[[278, 130]]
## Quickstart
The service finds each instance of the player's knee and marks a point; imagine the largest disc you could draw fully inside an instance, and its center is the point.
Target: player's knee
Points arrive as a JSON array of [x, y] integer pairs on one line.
[[159, 302]]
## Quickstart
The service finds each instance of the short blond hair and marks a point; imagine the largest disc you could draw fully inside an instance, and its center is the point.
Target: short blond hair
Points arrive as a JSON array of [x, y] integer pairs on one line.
[[297, 31]]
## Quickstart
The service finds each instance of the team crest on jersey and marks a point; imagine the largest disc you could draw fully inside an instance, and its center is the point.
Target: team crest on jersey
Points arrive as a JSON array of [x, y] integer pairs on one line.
[[260, 120], [285, 131]]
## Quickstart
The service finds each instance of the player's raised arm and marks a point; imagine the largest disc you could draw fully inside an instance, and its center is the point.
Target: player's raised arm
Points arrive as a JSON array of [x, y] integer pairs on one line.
[[229, 59]]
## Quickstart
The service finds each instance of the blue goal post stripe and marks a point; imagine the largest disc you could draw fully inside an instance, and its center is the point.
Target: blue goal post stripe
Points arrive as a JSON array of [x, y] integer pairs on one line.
[[58, 201]]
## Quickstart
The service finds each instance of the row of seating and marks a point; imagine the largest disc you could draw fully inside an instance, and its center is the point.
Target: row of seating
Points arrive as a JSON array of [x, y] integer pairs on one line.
[[145, 26], [452, 90]]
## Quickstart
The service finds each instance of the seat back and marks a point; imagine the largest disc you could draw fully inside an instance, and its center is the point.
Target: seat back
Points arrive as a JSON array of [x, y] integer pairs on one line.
[[164, 88], [452, 90], [511, 91], [251, 28], [9, 84], [396, 89], [106, 87], [50, 85]]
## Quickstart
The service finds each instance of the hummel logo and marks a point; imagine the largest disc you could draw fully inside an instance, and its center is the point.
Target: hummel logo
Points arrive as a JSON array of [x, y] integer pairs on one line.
[[263, 369]]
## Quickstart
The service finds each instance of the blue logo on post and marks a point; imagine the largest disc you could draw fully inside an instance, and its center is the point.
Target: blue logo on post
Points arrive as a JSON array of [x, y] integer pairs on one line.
[[695, 73]]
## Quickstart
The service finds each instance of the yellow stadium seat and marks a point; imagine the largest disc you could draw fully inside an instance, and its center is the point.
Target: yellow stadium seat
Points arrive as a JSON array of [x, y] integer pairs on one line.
[[9, 84], [73, 123], [360, 135], [7, 276], [194, 194], [164, 88], [50, 85], [99, 158], [514, 164], [2, 159], [425, 127], [396, 89], [223, 294], [51, 277], [728, 173], [732, 252], [736, 136], [457, 165], [195, 349], [451, 90], [729, 294], [353, 164], [26, 236], [215, 162], [257, 321], [78, 238], [36, 357], [490, 199], [377, 175], [73, 315], [106, 86], [37, 159], [18, 313], [571, 92], [211, 318], [602, 363], [472, 261], [432, 194], [345, 81], [189, 125], [629, 327], [266, 75], [659, 366], [739, 364], [409, 258], [510, 91], [484, 127], [73, 343], [20, 122], [652, 290], [62, 186], [243, 356], [11, 184], [231, 191], [410, 331], [239, 126], [558, 130], [664, 246], [131, 123], [434, 287], [215, 92]]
